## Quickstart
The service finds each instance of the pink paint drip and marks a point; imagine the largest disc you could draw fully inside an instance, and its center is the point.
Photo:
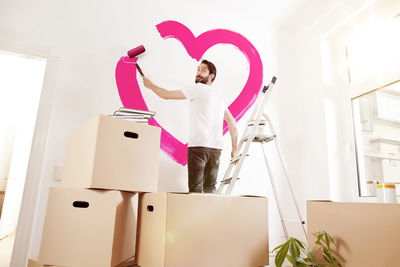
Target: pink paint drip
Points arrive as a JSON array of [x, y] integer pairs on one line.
[[132, 97]]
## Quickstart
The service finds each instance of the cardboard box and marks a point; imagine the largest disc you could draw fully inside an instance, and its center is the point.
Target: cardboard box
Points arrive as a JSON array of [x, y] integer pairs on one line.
[[131, 262], [89, 227], [367, 234], [35, 263], [198, 230], [113, 153]]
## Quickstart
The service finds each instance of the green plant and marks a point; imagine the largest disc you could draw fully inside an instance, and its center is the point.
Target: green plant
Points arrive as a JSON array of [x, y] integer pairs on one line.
[[299, 255]]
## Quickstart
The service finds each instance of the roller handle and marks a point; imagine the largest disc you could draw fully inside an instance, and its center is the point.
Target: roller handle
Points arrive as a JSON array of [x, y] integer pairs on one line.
[[139, 69]]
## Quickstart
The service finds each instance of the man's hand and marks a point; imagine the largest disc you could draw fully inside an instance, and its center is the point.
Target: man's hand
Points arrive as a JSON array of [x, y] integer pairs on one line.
[[233, 152], [161, 92], [147, 83]]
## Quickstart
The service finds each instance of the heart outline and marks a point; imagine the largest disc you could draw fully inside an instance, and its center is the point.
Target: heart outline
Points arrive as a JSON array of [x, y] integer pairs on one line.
[[131, 96]]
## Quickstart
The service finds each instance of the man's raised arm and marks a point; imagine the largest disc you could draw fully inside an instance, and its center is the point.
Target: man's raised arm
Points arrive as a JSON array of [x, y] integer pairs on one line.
[[161, 92], [232, 130]]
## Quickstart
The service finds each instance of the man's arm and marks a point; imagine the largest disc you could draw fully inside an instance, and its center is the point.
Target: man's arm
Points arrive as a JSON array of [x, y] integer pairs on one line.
[[161, 92], [232, 130]]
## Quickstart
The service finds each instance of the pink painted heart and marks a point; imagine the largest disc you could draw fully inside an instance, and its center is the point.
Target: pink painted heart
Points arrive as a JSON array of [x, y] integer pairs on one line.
[[131, 95]]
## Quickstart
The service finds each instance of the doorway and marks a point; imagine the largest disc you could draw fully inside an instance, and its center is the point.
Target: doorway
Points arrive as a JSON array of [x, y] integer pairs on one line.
[[21, 81]]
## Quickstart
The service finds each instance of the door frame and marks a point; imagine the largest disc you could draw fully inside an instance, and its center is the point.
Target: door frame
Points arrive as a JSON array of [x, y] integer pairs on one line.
[[34, 177]]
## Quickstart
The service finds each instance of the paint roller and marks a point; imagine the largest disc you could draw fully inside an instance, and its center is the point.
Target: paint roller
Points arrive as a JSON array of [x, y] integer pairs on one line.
[[135, 52]]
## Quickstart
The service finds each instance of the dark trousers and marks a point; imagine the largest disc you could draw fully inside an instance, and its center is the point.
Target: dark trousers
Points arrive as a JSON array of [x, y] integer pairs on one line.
[[203, 164]]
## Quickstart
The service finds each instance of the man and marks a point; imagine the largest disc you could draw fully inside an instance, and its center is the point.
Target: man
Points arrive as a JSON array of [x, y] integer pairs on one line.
[[207, 113]]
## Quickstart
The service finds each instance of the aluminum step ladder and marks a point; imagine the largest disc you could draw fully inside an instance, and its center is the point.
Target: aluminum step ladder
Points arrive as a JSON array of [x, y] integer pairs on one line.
[[257, 118]]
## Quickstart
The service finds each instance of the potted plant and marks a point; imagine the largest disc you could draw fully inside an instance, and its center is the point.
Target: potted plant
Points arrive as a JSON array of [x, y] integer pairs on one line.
[[299, 255]]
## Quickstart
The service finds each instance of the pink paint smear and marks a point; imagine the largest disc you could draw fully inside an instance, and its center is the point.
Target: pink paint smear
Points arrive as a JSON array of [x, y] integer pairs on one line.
[[131, 95]]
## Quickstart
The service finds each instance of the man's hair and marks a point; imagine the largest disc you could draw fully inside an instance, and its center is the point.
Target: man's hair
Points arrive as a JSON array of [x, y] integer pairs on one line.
[[211, 68]]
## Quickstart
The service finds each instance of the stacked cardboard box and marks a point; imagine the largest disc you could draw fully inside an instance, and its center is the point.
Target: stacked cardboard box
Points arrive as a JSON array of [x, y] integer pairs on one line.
[[202, 230], [366, 234], [108, 211], [92, 219], [35, 263]]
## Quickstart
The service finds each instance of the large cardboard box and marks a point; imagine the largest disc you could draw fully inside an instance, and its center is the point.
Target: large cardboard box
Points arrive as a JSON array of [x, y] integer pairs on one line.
[[112, 153], [35, 263], [89, 227], [198, 230], [367, 234]]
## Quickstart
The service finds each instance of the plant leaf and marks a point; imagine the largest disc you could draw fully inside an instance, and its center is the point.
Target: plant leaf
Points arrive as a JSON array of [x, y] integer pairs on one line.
[[303, 261], [331, 239], [291, 259], [311, 255], [294, 249], [319, 236], [281, 255], [300, 244], [278, 247], [328, 255], [327, 239]]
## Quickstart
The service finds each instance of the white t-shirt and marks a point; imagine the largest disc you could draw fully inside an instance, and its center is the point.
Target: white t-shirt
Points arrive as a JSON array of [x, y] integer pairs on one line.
[[206, 116]]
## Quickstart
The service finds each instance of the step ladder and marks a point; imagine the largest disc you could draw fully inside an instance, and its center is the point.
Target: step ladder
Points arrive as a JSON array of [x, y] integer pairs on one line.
[[250, 135]]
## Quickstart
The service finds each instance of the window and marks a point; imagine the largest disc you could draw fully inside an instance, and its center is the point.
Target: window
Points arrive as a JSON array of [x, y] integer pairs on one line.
[[376, 118]]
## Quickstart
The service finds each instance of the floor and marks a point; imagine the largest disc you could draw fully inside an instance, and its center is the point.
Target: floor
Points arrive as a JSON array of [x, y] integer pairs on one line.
[[6, 247]]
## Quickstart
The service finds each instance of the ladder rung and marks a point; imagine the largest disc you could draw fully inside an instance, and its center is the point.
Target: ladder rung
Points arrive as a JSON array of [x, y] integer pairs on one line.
[[294, 221], [237, 158], [227, 181], [261, 138]]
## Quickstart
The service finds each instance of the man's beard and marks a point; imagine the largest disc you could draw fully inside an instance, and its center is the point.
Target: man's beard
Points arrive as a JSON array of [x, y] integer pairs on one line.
[[200, 79]]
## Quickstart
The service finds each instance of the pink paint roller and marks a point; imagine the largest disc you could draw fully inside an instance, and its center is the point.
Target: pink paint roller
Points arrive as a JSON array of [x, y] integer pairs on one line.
[[135, 52]]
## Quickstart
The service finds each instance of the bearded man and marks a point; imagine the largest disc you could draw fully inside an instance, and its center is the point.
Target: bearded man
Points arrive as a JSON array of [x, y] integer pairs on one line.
[[206, 117]]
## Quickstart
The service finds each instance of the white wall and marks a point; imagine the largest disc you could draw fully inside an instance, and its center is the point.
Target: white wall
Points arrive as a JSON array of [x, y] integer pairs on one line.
[[85, 40]]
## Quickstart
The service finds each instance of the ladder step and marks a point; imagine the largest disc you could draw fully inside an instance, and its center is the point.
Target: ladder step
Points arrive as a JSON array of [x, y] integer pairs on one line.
[[293, 221], [227, 181], [261, 138], [237, 158], [251, 122]]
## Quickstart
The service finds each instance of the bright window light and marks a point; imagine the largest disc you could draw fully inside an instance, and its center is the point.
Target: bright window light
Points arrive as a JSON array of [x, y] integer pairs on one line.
[[374, 51]]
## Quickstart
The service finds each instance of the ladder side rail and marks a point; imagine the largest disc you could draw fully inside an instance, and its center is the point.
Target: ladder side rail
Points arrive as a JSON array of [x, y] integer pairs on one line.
[[244, 153], [264, 90], [236, 166], [226, 175], [233, 165], [259, 113], [238, 151], [257, 104], [257, 110], [274, 190], [253, 114], [284, 166], [237, 170]]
